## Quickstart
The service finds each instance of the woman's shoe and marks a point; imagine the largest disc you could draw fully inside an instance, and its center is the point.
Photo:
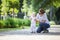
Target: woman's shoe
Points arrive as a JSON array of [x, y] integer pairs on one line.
[[45, 31]]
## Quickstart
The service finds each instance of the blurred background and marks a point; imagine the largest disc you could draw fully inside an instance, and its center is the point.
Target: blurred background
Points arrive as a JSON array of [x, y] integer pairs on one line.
[[16, 13]]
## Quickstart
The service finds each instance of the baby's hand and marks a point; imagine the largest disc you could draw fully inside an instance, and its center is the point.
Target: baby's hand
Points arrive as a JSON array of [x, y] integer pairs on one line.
[[37, 20]]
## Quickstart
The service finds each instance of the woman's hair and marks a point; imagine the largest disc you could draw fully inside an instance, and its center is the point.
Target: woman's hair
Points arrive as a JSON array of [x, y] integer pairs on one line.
[[41, 11]]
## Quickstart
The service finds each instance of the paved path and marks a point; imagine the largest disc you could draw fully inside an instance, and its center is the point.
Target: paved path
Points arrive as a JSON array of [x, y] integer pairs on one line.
[[52, 31], [30, 37], [25, 34]]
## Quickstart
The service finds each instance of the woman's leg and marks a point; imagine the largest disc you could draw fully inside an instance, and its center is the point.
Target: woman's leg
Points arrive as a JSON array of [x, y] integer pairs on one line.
[[40, 28], [45, 27]]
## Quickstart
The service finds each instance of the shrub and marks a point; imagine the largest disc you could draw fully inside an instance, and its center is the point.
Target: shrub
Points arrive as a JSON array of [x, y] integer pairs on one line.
[[19, 22], [2, 24], [11, 23], [26, 22], [52, 23], [7, 24], [14, 23]]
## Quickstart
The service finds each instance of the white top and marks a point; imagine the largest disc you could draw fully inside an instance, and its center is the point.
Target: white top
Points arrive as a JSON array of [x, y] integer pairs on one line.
[[44, 17], [33, 20]]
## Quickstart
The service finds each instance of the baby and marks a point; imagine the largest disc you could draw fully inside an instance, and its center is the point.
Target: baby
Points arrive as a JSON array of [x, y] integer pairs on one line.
[[33, 22]]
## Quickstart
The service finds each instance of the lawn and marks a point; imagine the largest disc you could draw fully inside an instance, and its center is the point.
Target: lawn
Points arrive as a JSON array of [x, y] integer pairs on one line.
[[10, 29]]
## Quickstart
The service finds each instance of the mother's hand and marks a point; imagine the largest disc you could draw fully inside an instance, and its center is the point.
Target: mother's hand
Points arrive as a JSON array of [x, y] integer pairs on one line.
[[43, 21], [37, 20]]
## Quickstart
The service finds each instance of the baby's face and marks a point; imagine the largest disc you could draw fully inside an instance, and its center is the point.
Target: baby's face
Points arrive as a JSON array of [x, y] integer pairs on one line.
[[34, 15]]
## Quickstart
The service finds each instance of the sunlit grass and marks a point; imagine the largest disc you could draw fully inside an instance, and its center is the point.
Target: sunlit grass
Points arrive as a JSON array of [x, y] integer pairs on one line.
[[10, 29]]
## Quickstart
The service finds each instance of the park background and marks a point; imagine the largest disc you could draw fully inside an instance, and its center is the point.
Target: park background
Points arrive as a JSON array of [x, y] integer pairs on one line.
[[12, 12]]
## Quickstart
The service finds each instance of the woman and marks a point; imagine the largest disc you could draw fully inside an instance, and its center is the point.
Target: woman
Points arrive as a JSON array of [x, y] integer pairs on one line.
[[43, 21]]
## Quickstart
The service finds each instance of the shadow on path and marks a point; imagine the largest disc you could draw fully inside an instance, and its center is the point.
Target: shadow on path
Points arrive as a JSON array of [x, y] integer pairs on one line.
[[27, 33]]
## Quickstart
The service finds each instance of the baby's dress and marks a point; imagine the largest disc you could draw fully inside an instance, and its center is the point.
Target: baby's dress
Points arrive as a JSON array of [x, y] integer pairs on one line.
[[33, 24]]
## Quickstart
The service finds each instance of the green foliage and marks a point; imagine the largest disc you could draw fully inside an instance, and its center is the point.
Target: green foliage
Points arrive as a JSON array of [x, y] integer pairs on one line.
[[26, 22], [34, 5], [52, 23], [19, 22], [7, 24], [5, 5], [14, 3], [25, 6], [14, 6], [2, 24], [15, 10], [14, 23]]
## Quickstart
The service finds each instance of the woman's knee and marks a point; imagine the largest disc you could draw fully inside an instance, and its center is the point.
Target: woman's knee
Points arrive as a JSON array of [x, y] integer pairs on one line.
[[46, 25], [41, 24], [39, 29]]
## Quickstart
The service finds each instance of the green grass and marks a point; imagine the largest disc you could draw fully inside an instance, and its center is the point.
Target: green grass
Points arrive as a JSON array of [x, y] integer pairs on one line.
[[10, 29]]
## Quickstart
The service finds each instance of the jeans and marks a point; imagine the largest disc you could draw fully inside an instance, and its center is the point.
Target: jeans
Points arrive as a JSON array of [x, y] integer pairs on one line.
[[42, 26]]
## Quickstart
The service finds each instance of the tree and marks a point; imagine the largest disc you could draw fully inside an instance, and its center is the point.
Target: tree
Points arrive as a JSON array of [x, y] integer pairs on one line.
[[25, 7], [4, 6], [21, 4]]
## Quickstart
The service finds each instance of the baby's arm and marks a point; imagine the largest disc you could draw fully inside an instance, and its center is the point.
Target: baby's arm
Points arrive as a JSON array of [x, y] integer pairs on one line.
[[37, 20], [30, 18]]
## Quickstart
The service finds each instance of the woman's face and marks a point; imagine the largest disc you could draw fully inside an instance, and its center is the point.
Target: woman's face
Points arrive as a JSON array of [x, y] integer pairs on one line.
[[41, 13]]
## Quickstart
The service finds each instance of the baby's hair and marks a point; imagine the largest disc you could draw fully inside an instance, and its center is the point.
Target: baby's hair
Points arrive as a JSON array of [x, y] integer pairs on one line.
[[33, 13]]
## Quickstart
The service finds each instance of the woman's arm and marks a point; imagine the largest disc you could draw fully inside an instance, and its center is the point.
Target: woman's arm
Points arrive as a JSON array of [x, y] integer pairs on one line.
[[37, 18]]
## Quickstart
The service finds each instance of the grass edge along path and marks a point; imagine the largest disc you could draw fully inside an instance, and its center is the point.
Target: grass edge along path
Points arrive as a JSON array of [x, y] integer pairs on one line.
[[10, 29]]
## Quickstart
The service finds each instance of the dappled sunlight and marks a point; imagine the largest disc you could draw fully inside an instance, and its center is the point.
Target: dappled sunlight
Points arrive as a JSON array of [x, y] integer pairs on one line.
[[56, 3]]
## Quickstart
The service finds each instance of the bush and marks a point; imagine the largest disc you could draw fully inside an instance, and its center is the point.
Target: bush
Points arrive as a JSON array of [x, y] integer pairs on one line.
[[2, 24], [14, 23], [52, 23], [19, 22], [26, 22], [7, 24]]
